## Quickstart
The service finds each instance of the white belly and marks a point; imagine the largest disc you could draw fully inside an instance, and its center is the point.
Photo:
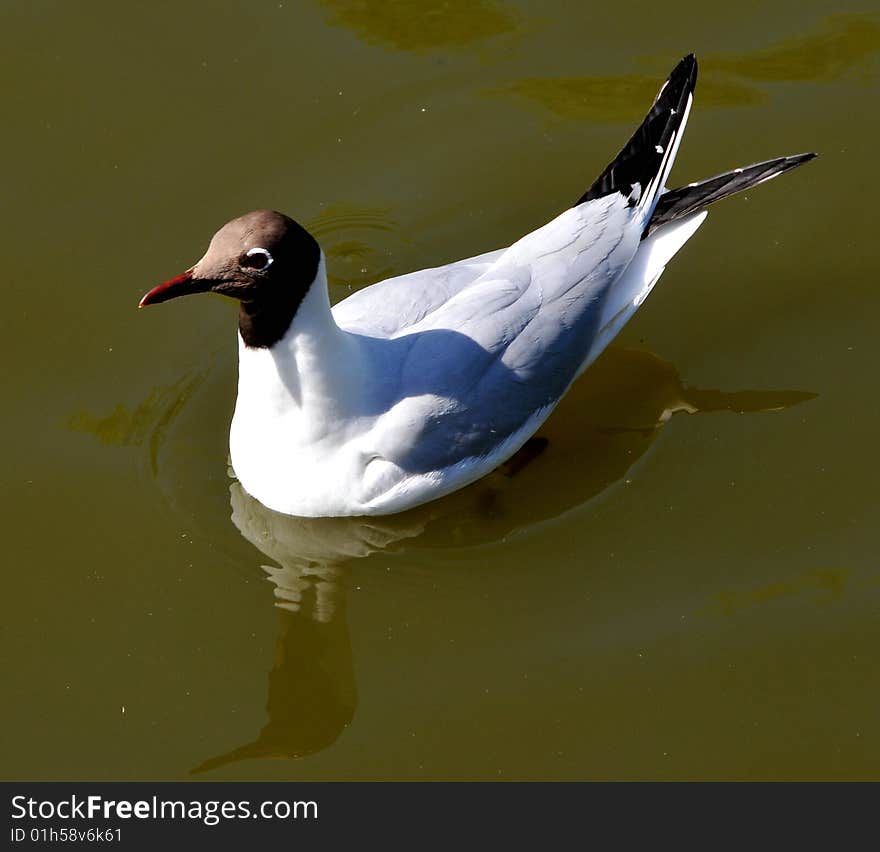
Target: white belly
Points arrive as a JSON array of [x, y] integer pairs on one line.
[[344, 475], [294, 476]]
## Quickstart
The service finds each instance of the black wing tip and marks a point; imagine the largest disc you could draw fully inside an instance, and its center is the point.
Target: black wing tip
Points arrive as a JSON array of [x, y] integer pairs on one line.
[[682, 78], [789, 160], [681, 202], [643, 155], [685, 72], [792, 161], [688, 63]]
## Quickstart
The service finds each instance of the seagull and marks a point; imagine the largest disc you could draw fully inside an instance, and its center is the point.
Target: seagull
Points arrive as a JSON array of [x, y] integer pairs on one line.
[[419, 385]]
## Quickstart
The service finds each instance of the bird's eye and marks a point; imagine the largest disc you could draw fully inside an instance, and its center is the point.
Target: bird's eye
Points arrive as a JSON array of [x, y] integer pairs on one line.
[[257, 260]]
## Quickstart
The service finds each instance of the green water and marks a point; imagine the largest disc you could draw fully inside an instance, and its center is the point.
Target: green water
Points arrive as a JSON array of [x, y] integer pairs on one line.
[[684, 584]]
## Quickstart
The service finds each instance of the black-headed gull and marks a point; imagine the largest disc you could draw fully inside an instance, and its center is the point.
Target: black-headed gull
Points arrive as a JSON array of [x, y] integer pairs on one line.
[[421, 384]]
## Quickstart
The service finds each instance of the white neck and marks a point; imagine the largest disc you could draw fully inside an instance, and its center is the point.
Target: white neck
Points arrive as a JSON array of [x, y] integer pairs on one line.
[[312, 375]]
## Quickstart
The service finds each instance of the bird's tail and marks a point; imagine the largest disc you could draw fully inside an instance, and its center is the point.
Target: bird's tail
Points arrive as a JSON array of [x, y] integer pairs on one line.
[[678, 203], [640, 170]]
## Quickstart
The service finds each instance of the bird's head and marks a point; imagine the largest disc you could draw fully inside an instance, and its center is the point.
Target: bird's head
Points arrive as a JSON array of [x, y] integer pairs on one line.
[[263, 259]]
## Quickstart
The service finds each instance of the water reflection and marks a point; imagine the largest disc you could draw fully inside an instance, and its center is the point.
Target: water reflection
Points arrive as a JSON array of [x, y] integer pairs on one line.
[[843, 43], [311, 687], [413, 25], [823, 586], [620, 97], [604, 425], [148, 421]]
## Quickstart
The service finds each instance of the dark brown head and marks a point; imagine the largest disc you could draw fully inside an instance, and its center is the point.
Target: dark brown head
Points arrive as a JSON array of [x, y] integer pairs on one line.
[[265, 260]]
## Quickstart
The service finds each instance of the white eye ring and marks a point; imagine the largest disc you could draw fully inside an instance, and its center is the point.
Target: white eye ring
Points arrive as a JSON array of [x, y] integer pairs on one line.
[[267, 257]]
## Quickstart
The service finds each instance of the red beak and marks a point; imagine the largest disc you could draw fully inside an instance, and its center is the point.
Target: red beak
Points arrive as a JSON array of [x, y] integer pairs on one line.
[[182, 285]]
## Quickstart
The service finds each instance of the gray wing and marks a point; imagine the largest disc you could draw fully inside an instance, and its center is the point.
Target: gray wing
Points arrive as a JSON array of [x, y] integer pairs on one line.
[[390, 306], [485, 363]]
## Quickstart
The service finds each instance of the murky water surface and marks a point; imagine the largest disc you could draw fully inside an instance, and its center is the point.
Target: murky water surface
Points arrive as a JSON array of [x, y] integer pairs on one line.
[[683, 584]]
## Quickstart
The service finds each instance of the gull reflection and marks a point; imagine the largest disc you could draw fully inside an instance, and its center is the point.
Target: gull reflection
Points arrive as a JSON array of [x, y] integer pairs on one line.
[[602, 427], [311, 690]]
